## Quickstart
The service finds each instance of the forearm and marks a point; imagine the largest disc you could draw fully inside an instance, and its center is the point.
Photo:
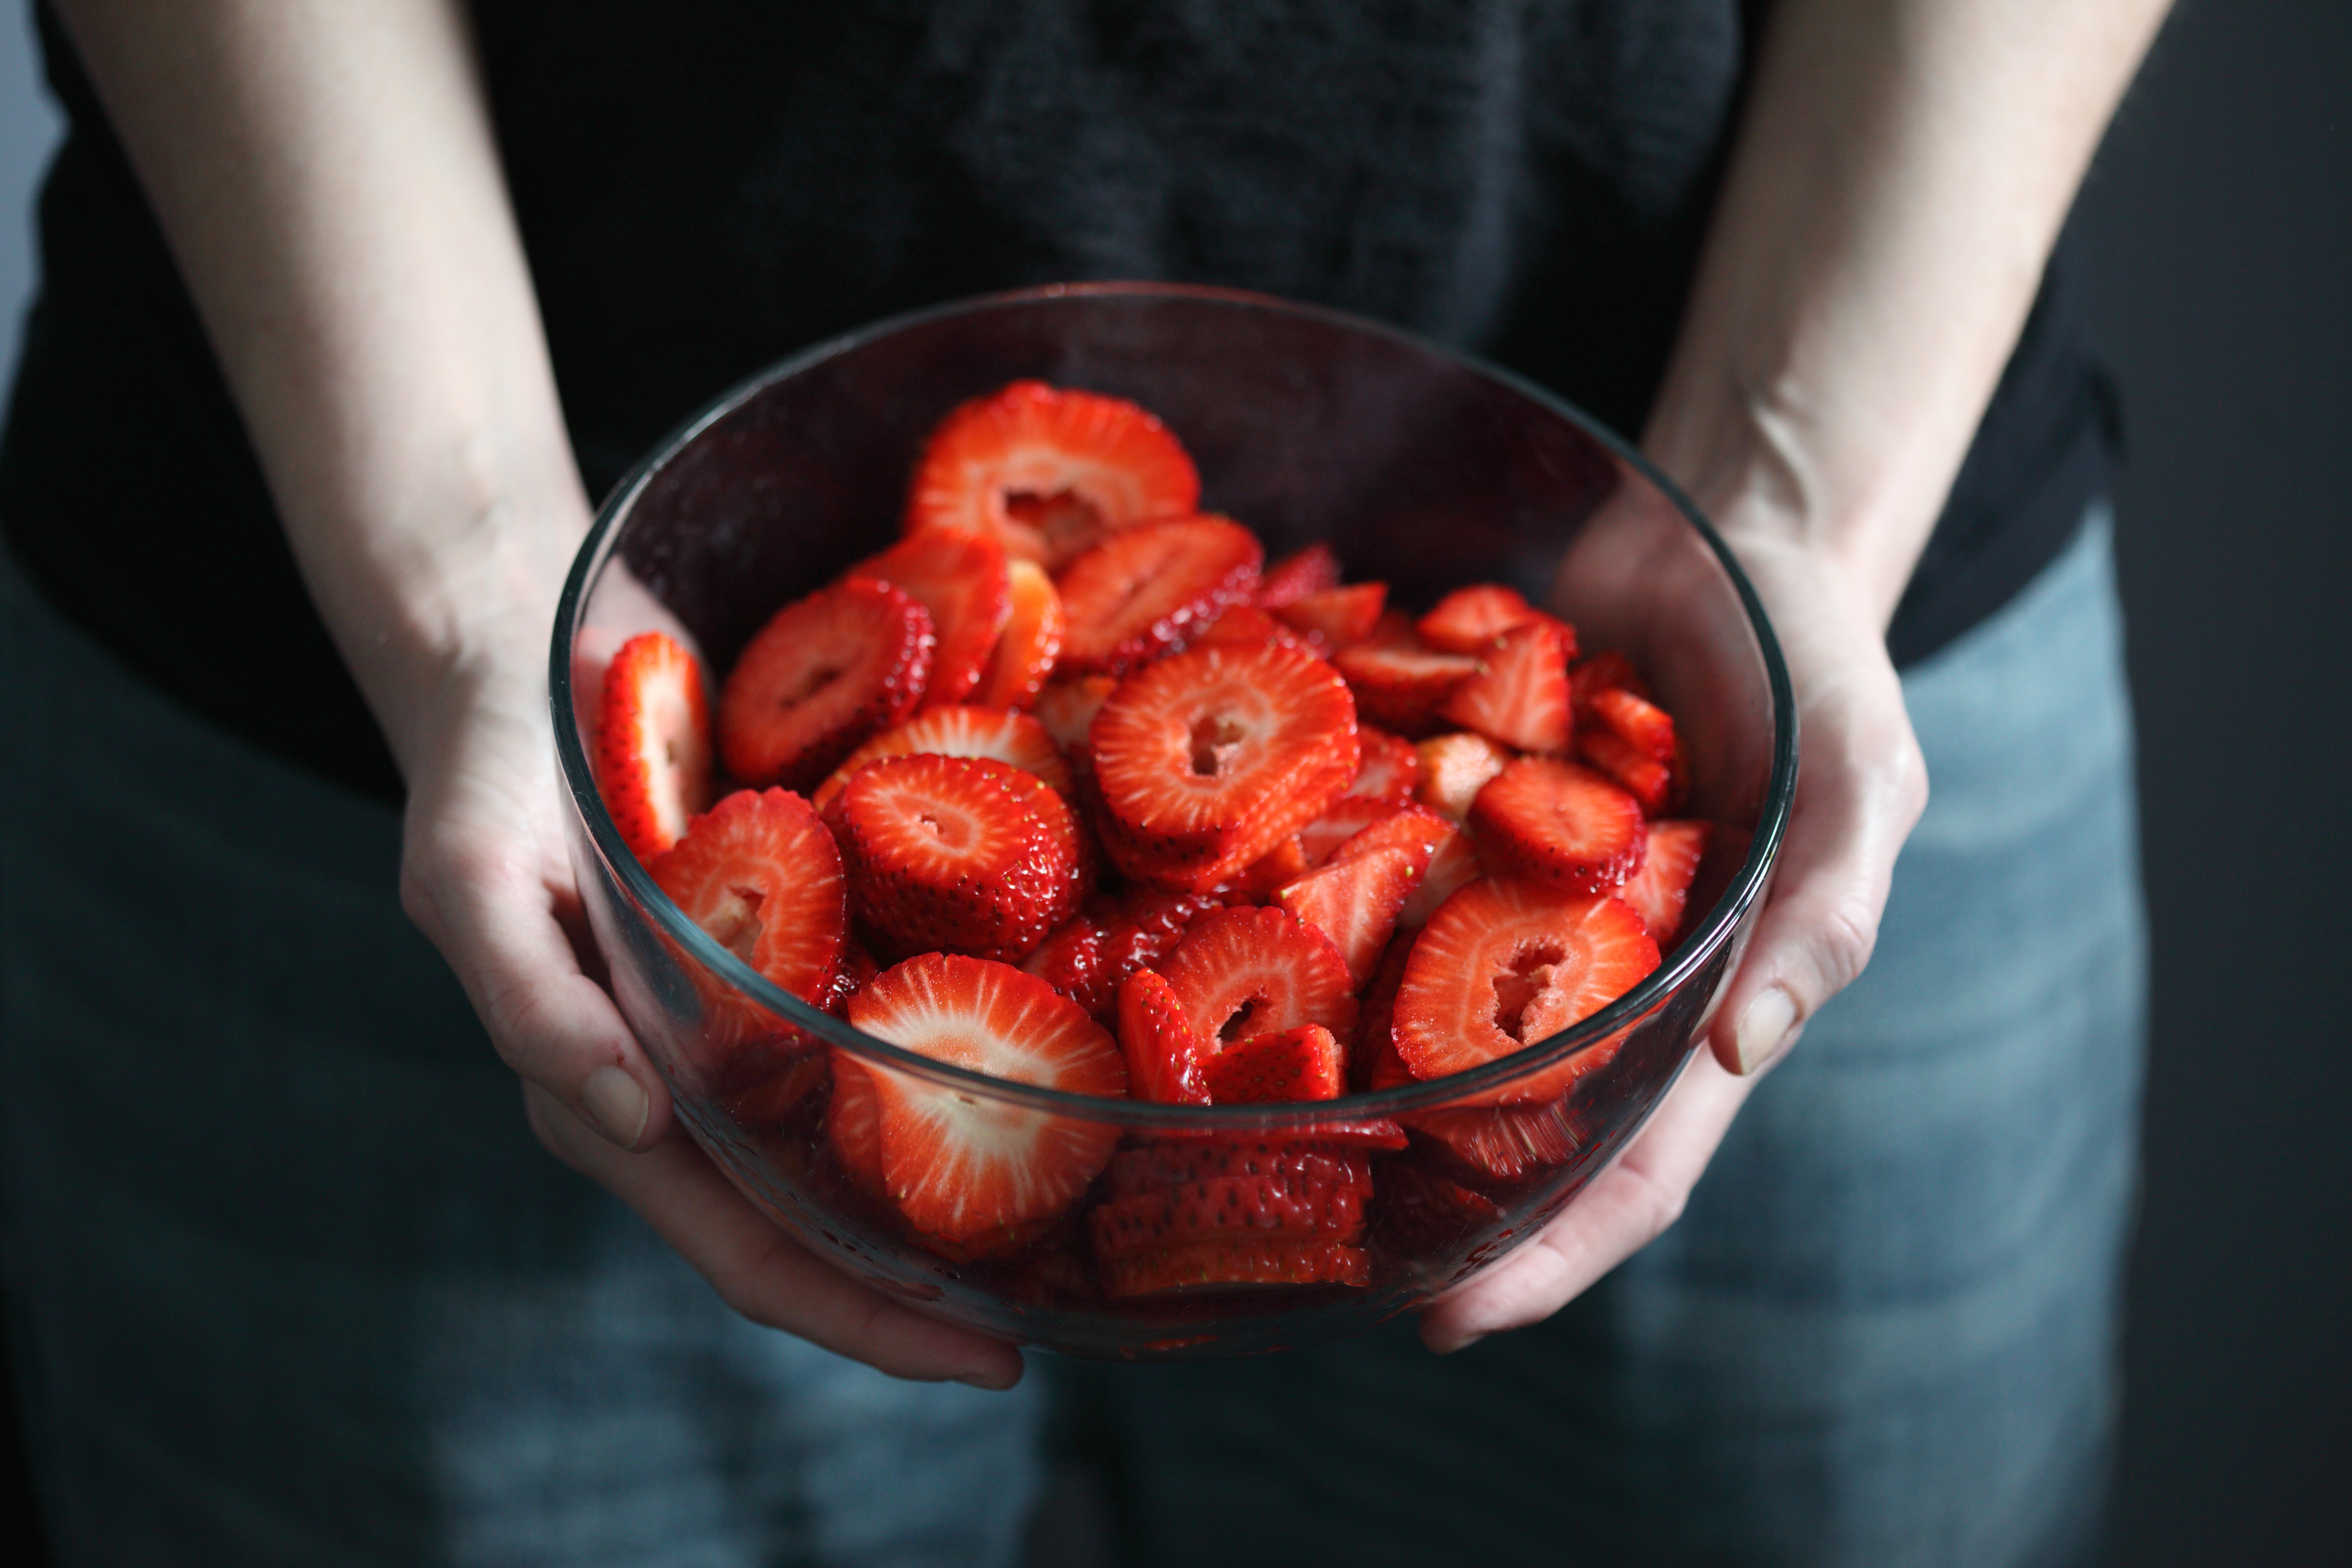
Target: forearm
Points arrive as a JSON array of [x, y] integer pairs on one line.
[[1898, 183], [325, 173]]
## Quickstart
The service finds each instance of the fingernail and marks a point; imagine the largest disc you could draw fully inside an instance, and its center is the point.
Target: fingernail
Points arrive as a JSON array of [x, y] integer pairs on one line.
[[989, 1382], [1762, 1028], [618, 1105], [1463, 1345]]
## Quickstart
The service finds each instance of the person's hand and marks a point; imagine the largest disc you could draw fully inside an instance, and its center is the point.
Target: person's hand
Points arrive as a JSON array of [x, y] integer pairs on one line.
[[1861, 786], [487, 876]]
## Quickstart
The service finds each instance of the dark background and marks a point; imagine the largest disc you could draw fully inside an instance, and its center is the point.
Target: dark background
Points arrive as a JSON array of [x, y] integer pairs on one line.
[[2218, 229]]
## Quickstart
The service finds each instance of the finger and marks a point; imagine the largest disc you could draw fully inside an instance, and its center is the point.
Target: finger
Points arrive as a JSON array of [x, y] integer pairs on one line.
[[1626, 1207], [759, 1270]]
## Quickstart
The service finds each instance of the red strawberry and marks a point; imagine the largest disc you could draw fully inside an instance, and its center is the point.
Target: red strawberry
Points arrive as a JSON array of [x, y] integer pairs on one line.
[[1649, 780], [1452, 865], [960, 730], [1389, 768], [1559, 823], [1632, 741], [1164, 1055], [1508, 963], [1148, 590], [1521, 695], [1247, 626], [1373, 1063], [1335, 617], [760, 873], [1282, 1161], [1226, 1207], [1605, 671], [964, 854], [1030, 645], [1502, 1143], [1048, 470], [1454, 768], [1306, 1063], [762, 1081], [1068, 709], [961, 577], [1208, 760], [1415, 829], [1342, 821], [853, 1125], [1639, 722], [822, 676], [1244, 973], [1470, 620], [1400, 681], [1223, 1264], [1260, 878], [653, 743], [1425, 1214], [1087, 959], [1309, 571], [959, 1165], [1658, 890], [1355, 903]]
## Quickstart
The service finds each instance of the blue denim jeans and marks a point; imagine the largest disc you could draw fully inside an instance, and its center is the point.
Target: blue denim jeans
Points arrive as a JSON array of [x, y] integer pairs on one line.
[[1882, 1333], [289, 1280]]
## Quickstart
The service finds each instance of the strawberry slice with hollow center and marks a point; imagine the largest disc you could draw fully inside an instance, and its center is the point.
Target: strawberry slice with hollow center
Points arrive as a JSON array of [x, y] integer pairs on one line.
[[966, 854], [825, 674], [961, 575], [1164, 1055], [1206, 761], [1049, 470], [1508, 963], [961, 730], [960, 1164], [1030, 645], [760, 873], [1148, 590], [1658, 891], [1244, 973], [1559, 823], [653, 743]]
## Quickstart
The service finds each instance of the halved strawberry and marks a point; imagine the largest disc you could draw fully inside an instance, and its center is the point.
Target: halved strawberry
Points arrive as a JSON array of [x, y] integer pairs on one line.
[[1148, 590], [653, 743], [1306, 1063], [1030, 645], [1508, 963], [1208, 760], [1068, 709], [1305, 572], [1455, 767], [1520, 694], [1399, 680], [1237, 1261], [1244, 973], [1342, 821], [1165, 1058], [1389, 767], [1356, 901], [1649, 780], [1250, 626], [825, 673], [1632, 741], [1050, 471], [1257, 1208], [1415, 829], [1559, 823], [1284, 1162], [959, 1165], [1502, 1143], [1335, 617], [1452, 865], [1470, 620], [1658, 890], [1606, 670], [760, 873], [1640, 723], [853, 1125], [1087, 959], [960, 730], [962, 854], [961, 575]]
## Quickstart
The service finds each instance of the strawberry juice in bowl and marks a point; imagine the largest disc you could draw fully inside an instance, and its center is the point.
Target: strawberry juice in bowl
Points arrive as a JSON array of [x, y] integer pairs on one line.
[[992, 1165]]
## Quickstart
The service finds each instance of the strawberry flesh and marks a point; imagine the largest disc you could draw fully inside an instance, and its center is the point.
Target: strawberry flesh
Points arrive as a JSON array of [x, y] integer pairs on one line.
[[1335, 617], [1165, 1058], [1356, 902], [1030, 645], [1237, 1261], [822, 677], [1470, 620], [1017, 739], [1306, 1063], [1244, 973], [1389, 767], [653, 743], [1399, 680], [961, 575], [1658, 891], [1292, 578], [1559, 823], [1150, 590], [1519, 696]]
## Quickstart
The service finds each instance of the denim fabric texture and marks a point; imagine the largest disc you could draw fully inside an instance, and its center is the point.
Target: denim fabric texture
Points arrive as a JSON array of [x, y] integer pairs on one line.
[[289, 1280]]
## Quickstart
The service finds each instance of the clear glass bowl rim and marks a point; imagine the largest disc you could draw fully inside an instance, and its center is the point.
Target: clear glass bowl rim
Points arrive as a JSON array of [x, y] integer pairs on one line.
[[1693, 953]]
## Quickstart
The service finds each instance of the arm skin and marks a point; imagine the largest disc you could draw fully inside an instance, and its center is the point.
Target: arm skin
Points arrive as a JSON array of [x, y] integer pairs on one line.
[[326, 175], [1895, 189]]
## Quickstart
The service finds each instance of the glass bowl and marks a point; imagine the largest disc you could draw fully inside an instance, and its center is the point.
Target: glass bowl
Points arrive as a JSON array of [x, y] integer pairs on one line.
[[1421, 467]]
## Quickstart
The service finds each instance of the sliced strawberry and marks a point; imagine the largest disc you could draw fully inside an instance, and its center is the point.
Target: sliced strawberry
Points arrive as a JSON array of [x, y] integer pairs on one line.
[[1244, 973], [825, 674], [960, 730], [1068, 709], [1030, 645], [760, 873], [1260, 878], [959, 1165], [1606, 670], [1502, 1143], [853, 1125], [1225, 1264], [1649, 780], [1335, 617], [1389, 767], [1639, 722], [1559, 823], [1424, 1214], [1165, 1058], [653, 743], [1048, 471], [1308, 571], [1148, 590], [1087, 959], [1003, 1241], [961, 575], [1470, 620], [1416, 829], [1454, 768], [1632, 741], [1208, 760], [1342, 821], [764, 1081], [1356, 902], [1521, 695], [1372, 1061], [1658, 890], [1508, 963], [1225, 1207], [1247, 626], [1452, 865], [1151, 1167], [1306, 1063], [1399, 680], [960, 853]]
